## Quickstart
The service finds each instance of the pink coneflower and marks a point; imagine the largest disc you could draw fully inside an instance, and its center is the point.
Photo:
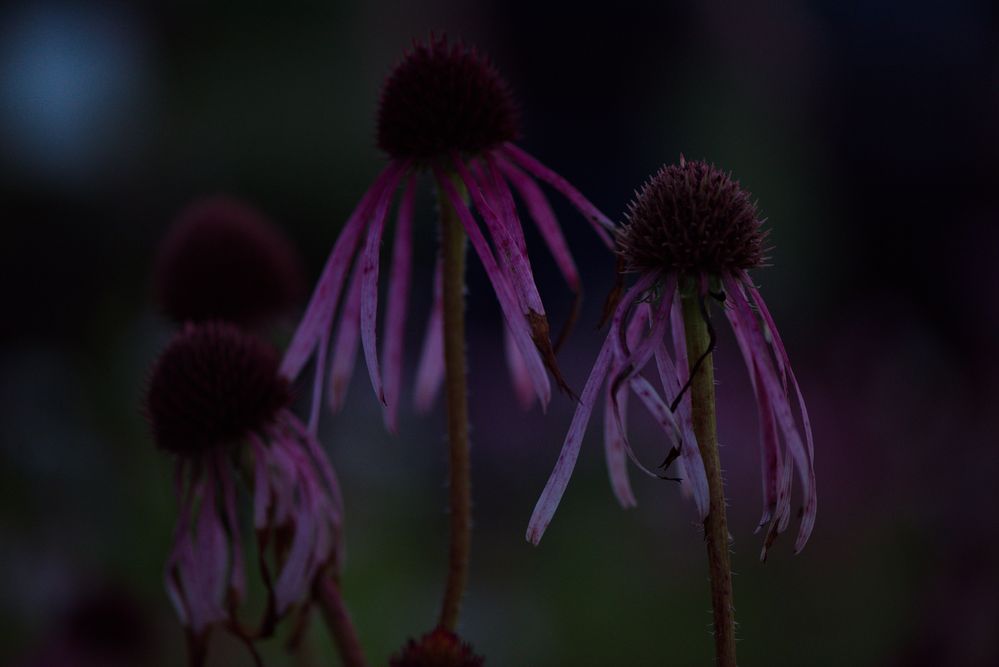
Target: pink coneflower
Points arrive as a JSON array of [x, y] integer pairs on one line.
[[444, 110], [691, 235], [217, 403], [223, 260]]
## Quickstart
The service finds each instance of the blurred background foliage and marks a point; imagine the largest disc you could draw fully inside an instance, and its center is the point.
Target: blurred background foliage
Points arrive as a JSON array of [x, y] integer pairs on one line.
[[869, 132]]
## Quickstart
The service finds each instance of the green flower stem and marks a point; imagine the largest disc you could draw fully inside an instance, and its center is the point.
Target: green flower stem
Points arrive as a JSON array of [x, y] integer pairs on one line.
[[702, 390], [453, 253]]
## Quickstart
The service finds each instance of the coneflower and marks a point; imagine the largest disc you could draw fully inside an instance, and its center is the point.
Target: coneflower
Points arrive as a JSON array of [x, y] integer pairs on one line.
[[223, 260], [217, 403], [691, 235], [444, 110]]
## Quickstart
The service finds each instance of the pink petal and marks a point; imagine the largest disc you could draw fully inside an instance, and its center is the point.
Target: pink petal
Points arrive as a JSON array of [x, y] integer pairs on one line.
[[758, 361], [398, 299], [614, 448], [237, 577], [601, 223], [783, 362], [504, 293], [543, 216], [345, 346], [261, 484], [430, 372], [545, 508], [370, 262], [515, 263], [518, 370], [327, 292]]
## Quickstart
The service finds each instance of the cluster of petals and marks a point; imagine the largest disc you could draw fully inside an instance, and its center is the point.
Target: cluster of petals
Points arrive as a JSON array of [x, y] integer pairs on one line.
[[646, 317], [497, 237], [297, 510]]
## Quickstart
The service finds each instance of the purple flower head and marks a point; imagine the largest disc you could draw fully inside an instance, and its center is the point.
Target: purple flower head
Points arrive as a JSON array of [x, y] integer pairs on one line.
[[691, 232], [217, 402], [444, 109], [439, 648], [223, 260]]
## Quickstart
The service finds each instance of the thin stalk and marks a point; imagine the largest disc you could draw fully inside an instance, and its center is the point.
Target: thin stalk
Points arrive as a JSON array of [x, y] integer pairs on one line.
[[702, 390], [455, 378], [338, 620]]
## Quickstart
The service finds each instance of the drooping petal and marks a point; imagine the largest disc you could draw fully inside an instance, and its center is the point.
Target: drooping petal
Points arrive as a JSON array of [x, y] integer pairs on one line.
[[614, 449], [783, 362], [601, 223], [519, 374], [543, 216], [370, 261], [237, 577], [345, 346], [327, 293], [617, 335], [430, 372], [614, 441], [545, 508], [398, 301], [504, 292], [634, 359], [513, 261], [695, 480], [759, 362], [261, 483]]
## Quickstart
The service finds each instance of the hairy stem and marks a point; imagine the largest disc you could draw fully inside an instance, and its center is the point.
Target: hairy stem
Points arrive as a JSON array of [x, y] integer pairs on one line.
[[453, 252], [702, 390]]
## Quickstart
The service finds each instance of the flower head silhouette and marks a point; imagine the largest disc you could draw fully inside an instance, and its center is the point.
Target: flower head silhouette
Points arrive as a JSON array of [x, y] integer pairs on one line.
[[691, 234], [444, 109], [217, 403], [224, 260]]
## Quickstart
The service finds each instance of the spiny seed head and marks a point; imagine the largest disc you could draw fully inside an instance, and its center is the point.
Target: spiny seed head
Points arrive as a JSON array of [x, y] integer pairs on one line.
[[224, 260], [440, 648], [441, 98], [691, 218], [213, 384]]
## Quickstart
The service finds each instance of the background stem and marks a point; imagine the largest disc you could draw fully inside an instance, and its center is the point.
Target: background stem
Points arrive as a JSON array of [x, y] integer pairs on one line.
[[338, 620], [453, 252], [702, 391]]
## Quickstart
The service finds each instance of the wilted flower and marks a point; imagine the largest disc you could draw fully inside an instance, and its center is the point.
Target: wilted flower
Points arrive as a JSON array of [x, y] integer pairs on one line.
[[217, 403], [691, 232], [446, 110], [224, 260]]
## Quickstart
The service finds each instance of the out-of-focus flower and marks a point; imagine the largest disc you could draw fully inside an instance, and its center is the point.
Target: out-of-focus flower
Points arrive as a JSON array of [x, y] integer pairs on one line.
[[439, 648], [691, 233], [217, 403], [444, 109], [223, 260]]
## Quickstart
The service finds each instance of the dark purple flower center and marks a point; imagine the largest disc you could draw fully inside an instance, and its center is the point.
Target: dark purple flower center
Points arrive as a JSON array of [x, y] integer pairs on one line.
[[223, 260], [691, 218], [444, 98], [440, 648], [213, 384]]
